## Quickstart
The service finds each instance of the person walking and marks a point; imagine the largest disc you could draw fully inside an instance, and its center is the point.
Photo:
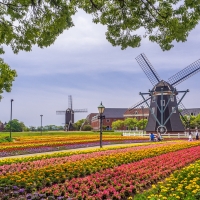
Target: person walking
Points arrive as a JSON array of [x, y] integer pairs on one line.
[[197, 135], [190, 137]]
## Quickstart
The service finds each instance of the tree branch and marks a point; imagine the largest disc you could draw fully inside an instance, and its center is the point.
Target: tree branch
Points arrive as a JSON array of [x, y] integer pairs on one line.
[[156, 10], [93, 4], [9, 4], [151, 12]]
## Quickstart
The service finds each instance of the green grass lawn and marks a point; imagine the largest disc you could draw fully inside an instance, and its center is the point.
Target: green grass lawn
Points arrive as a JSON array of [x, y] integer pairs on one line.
[[56, 133]]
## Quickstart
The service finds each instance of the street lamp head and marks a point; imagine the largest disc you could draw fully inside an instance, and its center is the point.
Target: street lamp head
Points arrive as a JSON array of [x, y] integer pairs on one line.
[[41, 115], [12, 100], [101, 108], [188, 117]]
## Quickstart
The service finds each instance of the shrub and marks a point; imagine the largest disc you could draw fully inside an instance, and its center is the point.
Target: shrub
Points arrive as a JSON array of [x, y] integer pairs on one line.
[[87, 128]]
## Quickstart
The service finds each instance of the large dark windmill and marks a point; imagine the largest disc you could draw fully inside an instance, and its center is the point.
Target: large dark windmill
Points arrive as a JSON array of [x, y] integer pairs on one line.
[[163, 102], [69, 114]]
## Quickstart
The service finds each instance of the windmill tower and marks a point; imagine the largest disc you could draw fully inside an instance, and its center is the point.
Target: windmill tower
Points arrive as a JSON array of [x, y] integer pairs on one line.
[[69, 114], [163, 102]]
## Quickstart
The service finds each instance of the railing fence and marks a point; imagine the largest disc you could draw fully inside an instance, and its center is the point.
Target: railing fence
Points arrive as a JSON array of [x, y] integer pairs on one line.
[[143, 133]]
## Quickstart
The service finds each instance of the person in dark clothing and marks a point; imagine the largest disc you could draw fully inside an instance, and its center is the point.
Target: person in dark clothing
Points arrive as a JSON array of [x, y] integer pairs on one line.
[[159, 137], [197, 135]]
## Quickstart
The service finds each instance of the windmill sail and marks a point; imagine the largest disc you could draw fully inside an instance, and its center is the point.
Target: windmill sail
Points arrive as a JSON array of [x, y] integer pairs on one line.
[[182, 108], [148, 69], [70, 102], [60, 112], [80, 110], [140, 104], [185, 73]]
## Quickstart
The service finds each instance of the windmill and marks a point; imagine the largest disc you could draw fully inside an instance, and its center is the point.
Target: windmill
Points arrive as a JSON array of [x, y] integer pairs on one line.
[[69, 114], [163, 102]]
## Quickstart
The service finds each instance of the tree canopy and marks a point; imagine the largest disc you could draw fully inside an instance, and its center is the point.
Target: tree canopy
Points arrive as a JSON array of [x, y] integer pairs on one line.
[[117, 124], [78, 124], [16, 126], [193, 122], [131, 123], [7, 76], [24, 23]]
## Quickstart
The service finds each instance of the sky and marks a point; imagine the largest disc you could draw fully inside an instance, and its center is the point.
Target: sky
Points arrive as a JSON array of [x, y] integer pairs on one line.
[[82, 63]]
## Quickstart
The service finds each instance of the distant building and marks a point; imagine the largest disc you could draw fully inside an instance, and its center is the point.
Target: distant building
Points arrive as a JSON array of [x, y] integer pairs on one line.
[[191, 111], [111, 115], [2, 126], [137, 113], [89, 118]]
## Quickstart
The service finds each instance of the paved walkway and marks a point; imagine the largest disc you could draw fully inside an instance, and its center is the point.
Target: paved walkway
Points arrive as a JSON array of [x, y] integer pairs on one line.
[[67, 150]]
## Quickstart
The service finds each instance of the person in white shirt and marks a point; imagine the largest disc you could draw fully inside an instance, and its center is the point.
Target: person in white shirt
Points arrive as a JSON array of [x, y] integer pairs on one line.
[[190, 137]]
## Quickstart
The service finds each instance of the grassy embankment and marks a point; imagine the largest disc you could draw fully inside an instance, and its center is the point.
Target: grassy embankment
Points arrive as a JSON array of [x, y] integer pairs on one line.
[[54, 133]]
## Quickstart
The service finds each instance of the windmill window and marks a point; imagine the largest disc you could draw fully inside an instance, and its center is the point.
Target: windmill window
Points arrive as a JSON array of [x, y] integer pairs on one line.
[[107, 120], [136, 112], [154, 99], [162, 102], [172, 98], [153, 110], [173, 110]]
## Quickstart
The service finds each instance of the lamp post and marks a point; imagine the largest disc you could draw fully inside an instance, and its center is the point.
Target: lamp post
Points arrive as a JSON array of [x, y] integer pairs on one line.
[[143, 118], [41, 123], [101, 117], [11, 119]]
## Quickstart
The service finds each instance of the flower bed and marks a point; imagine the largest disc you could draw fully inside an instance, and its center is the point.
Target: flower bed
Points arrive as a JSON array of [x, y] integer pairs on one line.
[[126, 180], [12, 160], [183, 184], [36, 145], [52, 172], [33, 141], [25, 163]]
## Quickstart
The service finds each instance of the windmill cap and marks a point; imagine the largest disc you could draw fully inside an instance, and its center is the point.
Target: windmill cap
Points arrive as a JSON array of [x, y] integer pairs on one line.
[[163, 85]]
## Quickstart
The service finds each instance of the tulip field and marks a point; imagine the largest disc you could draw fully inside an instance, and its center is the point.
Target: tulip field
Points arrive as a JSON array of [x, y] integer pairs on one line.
[[38, 144], [139, 171]]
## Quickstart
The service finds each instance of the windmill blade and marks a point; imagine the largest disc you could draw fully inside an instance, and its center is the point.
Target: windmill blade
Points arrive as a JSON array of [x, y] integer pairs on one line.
[[60, 112], [182, 108], [140, 104], [186, 73], [70, 102], [148, 69], [80, 110]]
